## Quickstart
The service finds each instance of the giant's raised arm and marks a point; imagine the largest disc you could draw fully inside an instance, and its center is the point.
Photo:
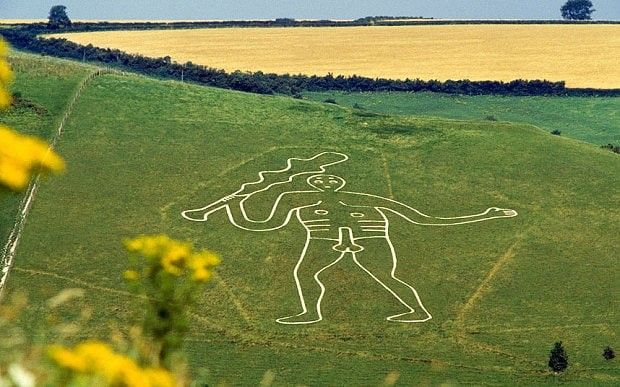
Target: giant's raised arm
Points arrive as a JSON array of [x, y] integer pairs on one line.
[[417, 217]]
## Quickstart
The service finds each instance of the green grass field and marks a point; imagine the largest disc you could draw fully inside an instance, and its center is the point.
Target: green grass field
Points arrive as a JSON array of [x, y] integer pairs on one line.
[[594, 120], [44, 87], [140, 151]]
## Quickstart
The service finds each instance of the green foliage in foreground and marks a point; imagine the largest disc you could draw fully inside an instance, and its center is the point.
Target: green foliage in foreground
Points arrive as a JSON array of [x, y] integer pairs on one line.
[[593, 120], [139, 151]]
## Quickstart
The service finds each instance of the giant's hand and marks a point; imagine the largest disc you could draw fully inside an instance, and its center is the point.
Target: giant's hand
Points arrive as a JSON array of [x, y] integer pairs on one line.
[[202, 214], [495, 212]]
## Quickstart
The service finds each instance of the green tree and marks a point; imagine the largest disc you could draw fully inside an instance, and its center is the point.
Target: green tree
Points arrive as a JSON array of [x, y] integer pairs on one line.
[[577, 10], [558, 360], [58, 18]]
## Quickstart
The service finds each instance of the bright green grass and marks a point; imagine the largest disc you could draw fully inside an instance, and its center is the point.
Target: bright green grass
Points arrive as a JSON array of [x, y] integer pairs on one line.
[[45, 86], [140, 151], [595, 120]]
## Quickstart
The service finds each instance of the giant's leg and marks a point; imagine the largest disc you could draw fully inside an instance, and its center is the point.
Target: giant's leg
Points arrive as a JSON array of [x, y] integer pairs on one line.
[[316, 257], [379, 261]]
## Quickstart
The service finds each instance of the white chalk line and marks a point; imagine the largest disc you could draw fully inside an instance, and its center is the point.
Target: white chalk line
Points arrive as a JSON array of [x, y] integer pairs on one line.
[[226, 171], [321, 182], [10, 248], [218, 204], [164, 209]]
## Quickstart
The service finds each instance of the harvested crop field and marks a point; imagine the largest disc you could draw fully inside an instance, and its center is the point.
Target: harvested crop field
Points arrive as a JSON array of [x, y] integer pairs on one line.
[[581, 55]]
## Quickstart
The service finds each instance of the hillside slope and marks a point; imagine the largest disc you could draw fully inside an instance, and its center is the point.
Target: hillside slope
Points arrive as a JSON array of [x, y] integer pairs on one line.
[[42, 89], [140, 151], [594, 120]]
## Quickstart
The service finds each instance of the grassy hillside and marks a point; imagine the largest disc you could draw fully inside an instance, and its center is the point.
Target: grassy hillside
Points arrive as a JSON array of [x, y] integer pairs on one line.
[[43, 88], [140, 151], [595, 120], [581, 55]]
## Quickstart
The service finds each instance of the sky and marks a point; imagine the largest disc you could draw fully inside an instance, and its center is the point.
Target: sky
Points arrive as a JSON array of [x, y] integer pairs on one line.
[[299, 9]]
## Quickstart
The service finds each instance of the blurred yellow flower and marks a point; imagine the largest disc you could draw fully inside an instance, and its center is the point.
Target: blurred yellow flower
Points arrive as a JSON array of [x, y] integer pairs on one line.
[[5, 98], [201, 263], [67, 359], [158, 377], [174, 257], [5, 76], [131, 275], [98, 360], [21, 156]]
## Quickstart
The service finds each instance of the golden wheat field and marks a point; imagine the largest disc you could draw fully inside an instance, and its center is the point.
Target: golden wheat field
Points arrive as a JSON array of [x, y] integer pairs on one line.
[[581, 55]]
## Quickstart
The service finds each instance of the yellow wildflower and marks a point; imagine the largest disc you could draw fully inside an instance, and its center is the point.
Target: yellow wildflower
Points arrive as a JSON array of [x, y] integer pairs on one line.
[[174, 256], [173, 259], [21, 156], [158, 377], [67, 359], [149, 246], [6, 76], [98, 360], [14, 176], [201, 263], [5, 98], [201, 275], [131, 275]]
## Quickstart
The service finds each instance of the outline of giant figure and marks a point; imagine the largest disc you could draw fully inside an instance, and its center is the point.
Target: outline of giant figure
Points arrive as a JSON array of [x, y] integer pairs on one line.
[[338, 224]]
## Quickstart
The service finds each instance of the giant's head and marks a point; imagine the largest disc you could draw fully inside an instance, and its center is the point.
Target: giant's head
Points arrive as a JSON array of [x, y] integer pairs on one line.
[[324, 182]]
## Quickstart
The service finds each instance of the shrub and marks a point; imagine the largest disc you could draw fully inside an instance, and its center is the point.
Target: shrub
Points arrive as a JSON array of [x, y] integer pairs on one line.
[[490, 118], [558, 359], [608, 353], [612, 147], [556, 132]]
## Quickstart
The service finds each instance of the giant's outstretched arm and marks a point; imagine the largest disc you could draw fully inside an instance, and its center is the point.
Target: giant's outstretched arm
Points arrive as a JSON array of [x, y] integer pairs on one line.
[[280, 215], [414, 216]]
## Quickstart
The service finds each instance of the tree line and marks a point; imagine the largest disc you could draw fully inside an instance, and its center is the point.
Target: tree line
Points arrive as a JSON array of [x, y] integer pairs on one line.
[[26, 38]]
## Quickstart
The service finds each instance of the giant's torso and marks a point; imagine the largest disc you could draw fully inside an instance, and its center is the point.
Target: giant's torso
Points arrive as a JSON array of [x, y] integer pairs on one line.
[[323, 220]]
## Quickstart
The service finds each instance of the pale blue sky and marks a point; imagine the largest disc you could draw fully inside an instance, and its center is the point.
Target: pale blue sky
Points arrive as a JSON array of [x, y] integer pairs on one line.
[[310, 9]]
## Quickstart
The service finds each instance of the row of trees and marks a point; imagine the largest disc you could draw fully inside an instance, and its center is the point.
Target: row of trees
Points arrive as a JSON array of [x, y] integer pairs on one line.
[[258, 82], [558, 358]]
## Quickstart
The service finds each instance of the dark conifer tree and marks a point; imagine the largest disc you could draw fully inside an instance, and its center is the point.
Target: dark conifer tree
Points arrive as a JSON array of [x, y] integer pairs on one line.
[[558, 360]]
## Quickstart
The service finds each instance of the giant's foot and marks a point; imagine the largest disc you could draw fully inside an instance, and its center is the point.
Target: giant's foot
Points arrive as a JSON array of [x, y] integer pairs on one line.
[[302, 318], [415, 316]]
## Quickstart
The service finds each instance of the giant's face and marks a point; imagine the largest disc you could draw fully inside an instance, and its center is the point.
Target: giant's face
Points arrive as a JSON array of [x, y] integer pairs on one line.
[[326, 182]]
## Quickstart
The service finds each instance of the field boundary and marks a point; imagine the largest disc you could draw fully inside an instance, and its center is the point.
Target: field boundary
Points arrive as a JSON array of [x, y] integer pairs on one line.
[[31, 38], [10, 248], [484, 286]]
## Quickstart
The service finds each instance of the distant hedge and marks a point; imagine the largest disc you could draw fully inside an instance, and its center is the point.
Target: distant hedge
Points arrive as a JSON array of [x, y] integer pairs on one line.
[[26, 38], [287, 22]]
